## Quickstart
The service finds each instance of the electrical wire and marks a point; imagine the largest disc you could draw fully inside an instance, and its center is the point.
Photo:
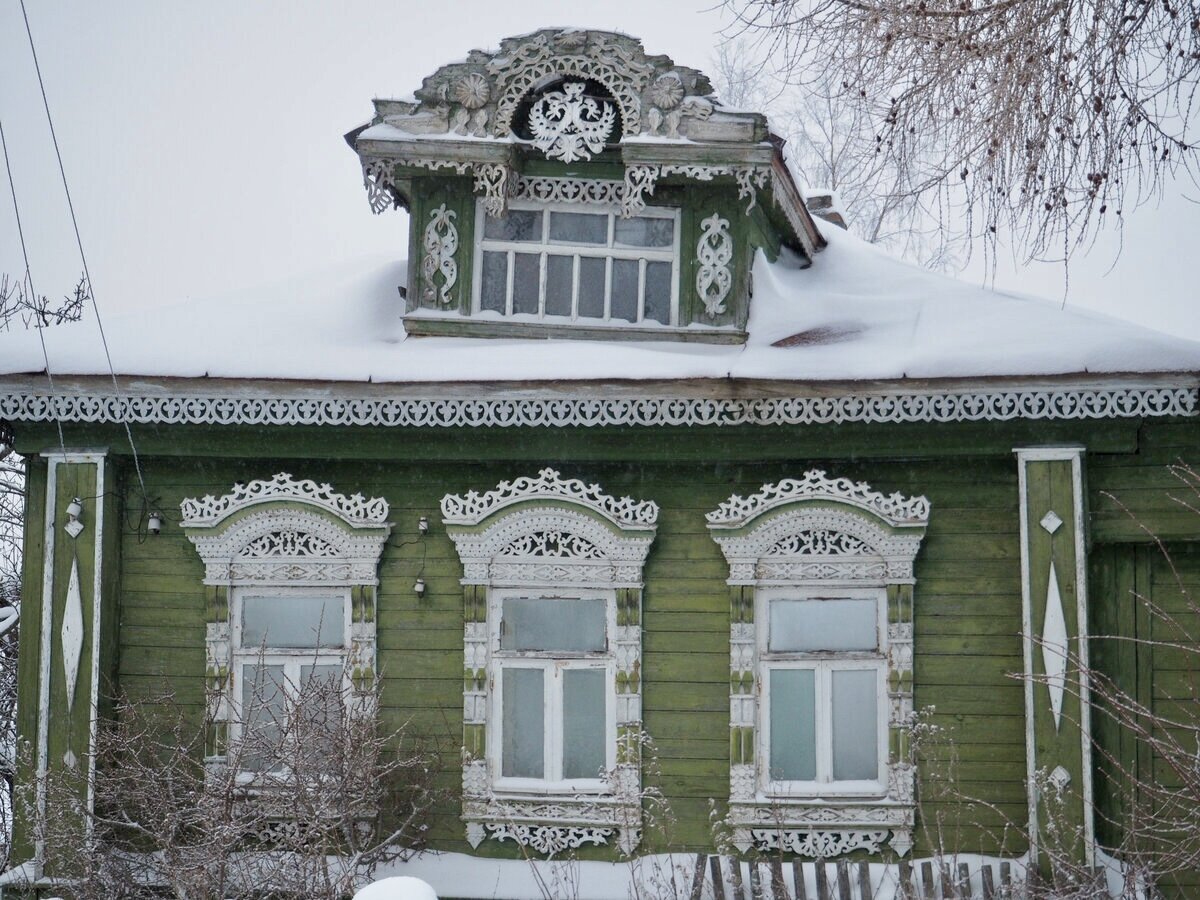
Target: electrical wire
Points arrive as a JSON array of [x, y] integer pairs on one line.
[[82, 256], [28, 279]]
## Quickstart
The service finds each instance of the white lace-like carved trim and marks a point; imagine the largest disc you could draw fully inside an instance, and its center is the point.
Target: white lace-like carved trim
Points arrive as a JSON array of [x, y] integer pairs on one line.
[[472, 507], [896, 509], [588, 412], [355, 509], [818, 844]]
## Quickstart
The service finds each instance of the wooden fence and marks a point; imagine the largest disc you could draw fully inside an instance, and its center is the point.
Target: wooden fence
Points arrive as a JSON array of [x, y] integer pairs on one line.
[[820, 880]]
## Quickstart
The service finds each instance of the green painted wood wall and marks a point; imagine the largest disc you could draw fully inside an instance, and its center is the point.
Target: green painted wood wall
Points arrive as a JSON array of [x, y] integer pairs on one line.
[[968, 596]]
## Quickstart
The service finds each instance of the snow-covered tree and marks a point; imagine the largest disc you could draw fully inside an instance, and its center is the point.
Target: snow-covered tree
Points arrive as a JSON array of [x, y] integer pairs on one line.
[[1041, 118]]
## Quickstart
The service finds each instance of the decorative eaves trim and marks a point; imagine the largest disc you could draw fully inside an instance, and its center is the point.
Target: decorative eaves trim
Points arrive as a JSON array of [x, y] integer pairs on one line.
[[472, 507], [1000, 405], [356, 509], [895, 509]]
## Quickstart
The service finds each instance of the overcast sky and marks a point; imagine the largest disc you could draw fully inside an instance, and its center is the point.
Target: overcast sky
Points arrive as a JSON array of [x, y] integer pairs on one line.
[[203, 143]]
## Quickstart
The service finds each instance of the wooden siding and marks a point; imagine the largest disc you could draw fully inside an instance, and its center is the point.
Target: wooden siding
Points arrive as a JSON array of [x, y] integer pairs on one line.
[[968, 595], [968, 605]]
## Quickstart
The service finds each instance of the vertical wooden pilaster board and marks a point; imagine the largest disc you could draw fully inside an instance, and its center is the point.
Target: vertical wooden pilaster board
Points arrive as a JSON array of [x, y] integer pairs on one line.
[[429, 193], [475, 682], [29, 659], [1055, 628], [72, 616], [743, 697], [218, 666]]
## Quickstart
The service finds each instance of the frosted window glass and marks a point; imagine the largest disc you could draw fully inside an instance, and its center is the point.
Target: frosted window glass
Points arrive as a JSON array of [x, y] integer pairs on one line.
[[624, 290], [591, 287], [578, 228], [264, 710], [644, 231], [855, 724], [524, 726], [290, 622], [494, 288], [811, 625], [583, 723], [658, 292], [571, 624], [527, 276], [517, 225], [560, 275], [793, 725]]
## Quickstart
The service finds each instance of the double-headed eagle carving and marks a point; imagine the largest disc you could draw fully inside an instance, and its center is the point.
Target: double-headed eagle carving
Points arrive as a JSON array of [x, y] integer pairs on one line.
[[567, 125]]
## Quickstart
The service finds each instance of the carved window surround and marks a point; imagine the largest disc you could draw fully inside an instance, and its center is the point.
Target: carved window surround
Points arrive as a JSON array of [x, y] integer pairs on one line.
[[551, 533], [818, 533], [285, 533]]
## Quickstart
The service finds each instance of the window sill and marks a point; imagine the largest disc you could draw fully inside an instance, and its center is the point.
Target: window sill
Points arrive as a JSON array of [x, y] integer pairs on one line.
[[425, 325]]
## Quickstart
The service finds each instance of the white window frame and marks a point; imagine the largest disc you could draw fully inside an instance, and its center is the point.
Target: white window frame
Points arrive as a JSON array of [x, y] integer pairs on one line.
[[554, 663], [823, 663], [546, 247], [502, 538], [817, 537], [333, 549], [292, 658]]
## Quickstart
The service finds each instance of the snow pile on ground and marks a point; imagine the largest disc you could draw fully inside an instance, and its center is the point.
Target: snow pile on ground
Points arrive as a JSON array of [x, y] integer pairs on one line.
[[856, 314], [402, 887]]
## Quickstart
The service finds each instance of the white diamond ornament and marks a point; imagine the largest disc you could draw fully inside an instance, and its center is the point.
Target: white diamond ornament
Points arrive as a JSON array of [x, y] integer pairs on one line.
[[1051, 522], [1054, 647], [71, 637]]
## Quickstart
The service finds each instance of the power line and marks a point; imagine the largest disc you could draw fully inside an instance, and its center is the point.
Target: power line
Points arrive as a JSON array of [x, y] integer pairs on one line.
[[28, 279], [82, 256]]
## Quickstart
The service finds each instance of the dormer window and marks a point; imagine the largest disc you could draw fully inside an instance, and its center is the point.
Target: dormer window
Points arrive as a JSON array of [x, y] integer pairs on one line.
[[572, 186], [568, 263]]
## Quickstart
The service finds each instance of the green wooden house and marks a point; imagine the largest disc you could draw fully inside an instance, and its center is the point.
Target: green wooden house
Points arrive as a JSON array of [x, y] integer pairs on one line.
[[633, 446]]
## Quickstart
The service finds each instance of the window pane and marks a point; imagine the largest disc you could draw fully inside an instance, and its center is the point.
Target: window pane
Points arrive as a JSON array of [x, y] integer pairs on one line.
[[517, 225], [855, 724], [323, 701], [658, 292], [579, 228], [527, 276], [644, 231], [591, 287], [524, 726], [793, 725], [535, 623], [808, 625], [583, 723], [264, 712], [293, 621], [494, 287], [560, 275], [624, 290]]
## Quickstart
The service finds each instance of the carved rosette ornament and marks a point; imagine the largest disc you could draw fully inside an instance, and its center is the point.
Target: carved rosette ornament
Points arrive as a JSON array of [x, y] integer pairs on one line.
[[714, 253], [569, 126], [440, 244], [809, 532]]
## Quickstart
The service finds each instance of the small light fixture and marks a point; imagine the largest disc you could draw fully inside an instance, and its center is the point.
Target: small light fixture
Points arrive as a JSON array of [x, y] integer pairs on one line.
[[74, 508], [154, 524], [419, 588], [423, 525]]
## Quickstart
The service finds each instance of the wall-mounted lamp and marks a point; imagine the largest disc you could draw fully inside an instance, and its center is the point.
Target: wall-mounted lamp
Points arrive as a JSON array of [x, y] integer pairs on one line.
[[423, 525], [74, 510], [154, 524], [419, 588]]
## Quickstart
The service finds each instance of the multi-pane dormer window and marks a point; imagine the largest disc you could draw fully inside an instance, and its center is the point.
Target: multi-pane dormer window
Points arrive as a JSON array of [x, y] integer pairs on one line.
[[572, 186], [569, 263]]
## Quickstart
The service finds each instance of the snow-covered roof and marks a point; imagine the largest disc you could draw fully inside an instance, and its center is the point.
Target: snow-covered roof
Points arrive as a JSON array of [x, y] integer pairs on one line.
[[855, 315]]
